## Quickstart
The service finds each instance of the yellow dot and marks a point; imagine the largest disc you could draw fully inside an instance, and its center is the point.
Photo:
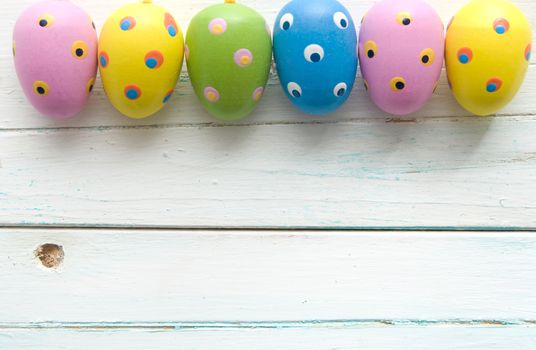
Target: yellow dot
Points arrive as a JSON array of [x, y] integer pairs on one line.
[[211, 96], [218, 29], [245, 60]]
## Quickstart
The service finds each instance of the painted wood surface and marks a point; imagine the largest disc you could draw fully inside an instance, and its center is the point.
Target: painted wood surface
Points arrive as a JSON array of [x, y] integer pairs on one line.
[[138, 287], [358, 168], [270, 276], [281, 339]]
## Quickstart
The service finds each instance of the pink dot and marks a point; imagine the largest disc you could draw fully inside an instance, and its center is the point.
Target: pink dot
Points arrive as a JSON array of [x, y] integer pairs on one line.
[[257, 94], [217, 26], [243, 57], [211, 94], [187, 52]]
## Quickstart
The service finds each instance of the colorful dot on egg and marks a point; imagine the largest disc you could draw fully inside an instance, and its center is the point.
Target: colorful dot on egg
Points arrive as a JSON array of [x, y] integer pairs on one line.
[[371, 49], [132, 92], [528, 52], [168, 95], [154, 59], [427, 57], [217, 26], [127, 23], [103, 59], [404, 18], [171, 25], [243, 57], [398, 84], [257, 93], [186, 52], [493, 85], [211, 94], [365, 83], [14, 48], [501, 25], [465, 55], [90, 85], [45, 20], [40, 88], [79, 49]]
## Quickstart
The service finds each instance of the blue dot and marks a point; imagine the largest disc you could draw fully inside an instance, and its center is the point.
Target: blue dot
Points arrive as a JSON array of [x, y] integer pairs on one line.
[[315, 57], [296, 93], [171, 30], [132, 94], [491, 88], [341, 92], [500, 30], [166, 99], [151, 63], [344, 24], [103, 61], [125, 25], [286, 25], [464, 59], [528, 56]]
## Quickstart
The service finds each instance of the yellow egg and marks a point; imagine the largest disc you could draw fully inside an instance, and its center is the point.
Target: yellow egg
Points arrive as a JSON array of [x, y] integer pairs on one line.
[[141, 51], [488, 49]]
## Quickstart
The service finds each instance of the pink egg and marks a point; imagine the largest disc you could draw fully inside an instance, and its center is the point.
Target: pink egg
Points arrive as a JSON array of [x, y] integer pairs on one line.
[[55, 52], [401, 50]]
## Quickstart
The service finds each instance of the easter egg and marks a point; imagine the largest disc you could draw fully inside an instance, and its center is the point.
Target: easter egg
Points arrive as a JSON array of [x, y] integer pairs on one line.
[[315, 54], [55, 53], [401, 50], [229, 54], [488, 51], [140, 58]]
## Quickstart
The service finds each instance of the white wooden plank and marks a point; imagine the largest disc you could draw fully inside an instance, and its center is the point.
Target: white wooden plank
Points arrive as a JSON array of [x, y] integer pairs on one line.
[[281, 339], [442, 173], [185, 109], [199, 276]]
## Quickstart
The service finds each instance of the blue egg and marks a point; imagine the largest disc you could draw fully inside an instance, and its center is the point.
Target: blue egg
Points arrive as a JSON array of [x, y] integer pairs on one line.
[[315, 54]]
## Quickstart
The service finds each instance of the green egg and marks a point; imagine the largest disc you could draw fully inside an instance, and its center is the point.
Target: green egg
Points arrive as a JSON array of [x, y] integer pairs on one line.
[[229, 54]]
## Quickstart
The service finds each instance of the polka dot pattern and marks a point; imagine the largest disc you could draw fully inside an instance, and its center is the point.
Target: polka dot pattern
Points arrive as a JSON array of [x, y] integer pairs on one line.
[[154, 59], [257, 94], [90, 85], [171, 25], [398, 84], [217, 26], [371, 49], [314, 53], [40, 88], [127, 23], [427, 57], [211, 94], [79, 50], [501, 26], [167, 97], [186, 52], [103, 59], [132, 92], [243, 57], [404, 18], [493, 85], [465, 55], [45, 21]]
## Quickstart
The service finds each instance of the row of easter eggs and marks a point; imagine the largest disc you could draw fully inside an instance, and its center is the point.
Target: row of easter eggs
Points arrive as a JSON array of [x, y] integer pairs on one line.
[[228, 50]]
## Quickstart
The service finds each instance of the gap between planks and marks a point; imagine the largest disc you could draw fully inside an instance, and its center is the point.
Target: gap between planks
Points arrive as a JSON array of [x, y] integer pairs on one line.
[[332, 324]]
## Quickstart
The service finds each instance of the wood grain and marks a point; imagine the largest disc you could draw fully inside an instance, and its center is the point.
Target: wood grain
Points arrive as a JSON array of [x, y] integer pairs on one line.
[[281, 339], [431, 173], [339, 279]]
